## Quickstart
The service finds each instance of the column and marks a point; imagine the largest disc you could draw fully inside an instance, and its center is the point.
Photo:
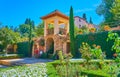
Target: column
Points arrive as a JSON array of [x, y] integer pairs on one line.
[[67, 24], [45, 28], [56, 27]]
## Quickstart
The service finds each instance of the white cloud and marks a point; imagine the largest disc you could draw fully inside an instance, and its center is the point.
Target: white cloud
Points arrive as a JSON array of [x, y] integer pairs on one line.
[[83, 10]]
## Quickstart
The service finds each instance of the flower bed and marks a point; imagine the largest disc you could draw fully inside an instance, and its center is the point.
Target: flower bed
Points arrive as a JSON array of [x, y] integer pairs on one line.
[[33, 70]]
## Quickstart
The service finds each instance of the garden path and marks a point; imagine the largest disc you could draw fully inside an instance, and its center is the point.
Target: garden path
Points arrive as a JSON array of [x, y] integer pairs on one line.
[[22, 61]]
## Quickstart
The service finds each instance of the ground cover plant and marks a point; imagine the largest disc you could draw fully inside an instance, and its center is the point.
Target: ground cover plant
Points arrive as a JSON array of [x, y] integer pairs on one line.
[[33, 70]]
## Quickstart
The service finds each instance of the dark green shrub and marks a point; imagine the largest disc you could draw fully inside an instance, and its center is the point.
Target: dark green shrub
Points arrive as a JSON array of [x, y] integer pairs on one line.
[[23, 48], [1, 48], [44, 55], [98, 39]]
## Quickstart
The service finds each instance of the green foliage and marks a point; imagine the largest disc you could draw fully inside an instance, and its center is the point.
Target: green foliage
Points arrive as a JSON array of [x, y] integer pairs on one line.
[[39, 30], [28, 21], [7, 36], [116, 46], [98, 39], [51, 70], [104, 10], [97, 52], [91, 22], [71, 30], [115, 10], [85, 29], [24, 30], [89, 53], [23, 48], [66, 69], [85, 50], [1, 47], [44, 55]]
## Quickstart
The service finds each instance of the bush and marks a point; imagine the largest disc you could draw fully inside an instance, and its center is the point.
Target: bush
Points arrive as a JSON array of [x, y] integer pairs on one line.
[[98, 39], [1, 48], [44, 55], [51, 70], [23, 48]]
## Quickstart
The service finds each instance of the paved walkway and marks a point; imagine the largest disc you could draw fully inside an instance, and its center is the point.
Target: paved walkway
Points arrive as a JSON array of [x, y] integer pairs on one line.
[[25, 61], [2, 66]]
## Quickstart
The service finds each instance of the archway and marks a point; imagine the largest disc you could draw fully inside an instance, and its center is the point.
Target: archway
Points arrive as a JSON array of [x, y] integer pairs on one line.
[[50, 45]]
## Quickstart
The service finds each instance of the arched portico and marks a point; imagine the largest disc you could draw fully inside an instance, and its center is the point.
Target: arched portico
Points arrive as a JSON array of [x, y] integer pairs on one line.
[[49, 45]]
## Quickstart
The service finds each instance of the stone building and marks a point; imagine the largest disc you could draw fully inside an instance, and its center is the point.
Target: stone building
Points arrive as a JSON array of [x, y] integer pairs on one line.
[[80, 22], [56, 32]]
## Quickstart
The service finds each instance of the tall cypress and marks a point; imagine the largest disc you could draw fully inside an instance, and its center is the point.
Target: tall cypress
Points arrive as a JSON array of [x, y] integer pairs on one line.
[[90, 20], [71, 30]]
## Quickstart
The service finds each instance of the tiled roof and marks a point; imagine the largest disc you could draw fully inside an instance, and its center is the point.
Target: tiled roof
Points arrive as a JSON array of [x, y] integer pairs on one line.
[[55, 13]]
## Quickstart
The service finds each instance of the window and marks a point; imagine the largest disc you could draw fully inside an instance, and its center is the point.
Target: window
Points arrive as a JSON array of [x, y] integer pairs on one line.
[[79, 26], [79, 20]]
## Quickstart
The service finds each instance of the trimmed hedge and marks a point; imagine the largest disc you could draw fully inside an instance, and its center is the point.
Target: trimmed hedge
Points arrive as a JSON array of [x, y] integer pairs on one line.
[[52, 72], [23, 48], [12, 56], [98, 39]]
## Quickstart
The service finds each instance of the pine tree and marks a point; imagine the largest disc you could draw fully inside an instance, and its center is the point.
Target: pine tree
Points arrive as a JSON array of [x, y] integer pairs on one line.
[[90, 20], [71, 30]]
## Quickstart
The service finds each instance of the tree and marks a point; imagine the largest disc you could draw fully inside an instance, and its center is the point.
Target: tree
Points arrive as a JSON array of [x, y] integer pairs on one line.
[[40, 29], [71, 30], [8, 36], [84, 17], [115, 10], [104, 10], [28, 21], [90, 20], [24, 30]]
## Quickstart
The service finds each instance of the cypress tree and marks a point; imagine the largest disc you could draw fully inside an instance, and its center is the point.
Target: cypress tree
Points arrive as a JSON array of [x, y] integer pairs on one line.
[[90, 20], [71, 30]]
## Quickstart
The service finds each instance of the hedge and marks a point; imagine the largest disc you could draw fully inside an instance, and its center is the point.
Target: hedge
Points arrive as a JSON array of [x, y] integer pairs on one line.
[[23, 48], [98, 39], [12, 56], [52, 72]]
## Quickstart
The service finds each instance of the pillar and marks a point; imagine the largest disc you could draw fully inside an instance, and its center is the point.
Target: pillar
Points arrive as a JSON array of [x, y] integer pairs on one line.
[[56, 27], [45, 28], [67, 24]]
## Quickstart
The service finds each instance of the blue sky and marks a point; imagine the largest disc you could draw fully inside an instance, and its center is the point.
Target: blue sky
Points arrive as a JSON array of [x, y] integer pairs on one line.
[[14, 12]]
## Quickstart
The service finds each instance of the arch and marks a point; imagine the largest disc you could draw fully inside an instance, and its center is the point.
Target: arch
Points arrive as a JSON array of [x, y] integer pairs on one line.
[[50, 45]]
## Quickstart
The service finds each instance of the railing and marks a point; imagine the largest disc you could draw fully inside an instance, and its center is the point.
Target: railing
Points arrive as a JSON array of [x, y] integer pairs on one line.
[[50, 31], [62, 31]]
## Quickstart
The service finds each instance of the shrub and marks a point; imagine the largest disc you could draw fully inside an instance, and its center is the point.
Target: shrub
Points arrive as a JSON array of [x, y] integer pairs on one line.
[[1, 48], [23, 48]]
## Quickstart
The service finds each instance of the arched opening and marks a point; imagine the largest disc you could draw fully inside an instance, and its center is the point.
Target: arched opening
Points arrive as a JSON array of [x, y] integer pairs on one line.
[[50, 46]]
